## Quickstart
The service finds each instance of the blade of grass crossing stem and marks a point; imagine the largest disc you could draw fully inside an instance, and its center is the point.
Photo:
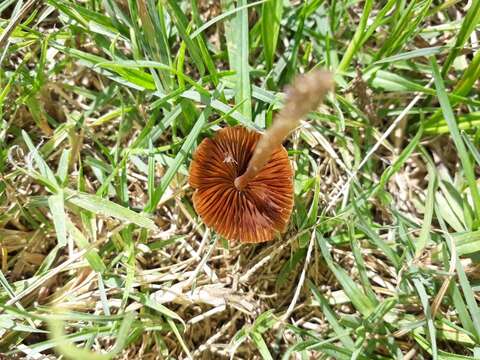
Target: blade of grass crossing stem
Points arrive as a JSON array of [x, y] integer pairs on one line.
[[469, 23], [57, 208], [236, 33], [357, 38], [459, 144], [272, 12], [428, 315], [179, 159], [329, 314], [437, 126]]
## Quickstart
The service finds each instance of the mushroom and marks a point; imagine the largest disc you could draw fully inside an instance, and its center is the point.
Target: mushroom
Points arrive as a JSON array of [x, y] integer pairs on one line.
[[243, 180]]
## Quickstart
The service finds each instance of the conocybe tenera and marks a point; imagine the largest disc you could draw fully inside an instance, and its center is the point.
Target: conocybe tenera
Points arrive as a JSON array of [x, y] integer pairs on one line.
[[243, 180]]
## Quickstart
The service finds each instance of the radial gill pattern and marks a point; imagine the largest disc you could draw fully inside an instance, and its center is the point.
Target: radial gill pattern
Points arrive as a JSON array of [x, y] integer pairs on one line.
[[254, 214]]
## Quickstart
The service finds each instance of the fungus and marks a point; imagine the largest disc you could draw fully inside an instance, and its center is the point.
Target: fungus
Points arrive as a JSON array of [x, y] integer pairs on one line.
[[243, 180]]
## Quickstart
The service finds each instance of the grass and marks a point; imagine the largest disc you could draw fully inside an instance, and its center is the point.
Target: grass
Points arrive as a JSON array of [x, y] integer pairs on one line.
[[102, 255]]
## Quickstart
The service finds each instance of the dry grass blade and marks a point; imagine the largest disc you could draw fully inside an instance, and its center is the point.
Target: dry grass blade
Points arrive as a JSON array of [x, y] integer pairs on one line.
[[15, 21]]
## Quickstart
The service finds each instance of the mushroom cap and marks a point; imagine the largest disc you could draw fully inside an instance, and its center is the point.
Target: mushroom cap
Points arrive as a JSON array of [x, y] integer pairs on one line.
[[254, 214]]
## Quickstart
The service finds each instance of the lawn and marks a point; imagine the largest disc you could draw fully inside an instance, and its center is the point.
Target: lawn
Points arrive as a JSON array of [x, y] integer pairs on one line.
[[103, 104]]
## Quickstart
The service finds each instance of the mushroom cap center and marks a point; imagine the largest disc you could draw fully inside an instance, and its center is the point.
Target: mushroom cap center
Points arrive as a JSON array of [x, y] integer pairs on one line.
[[256, 212]]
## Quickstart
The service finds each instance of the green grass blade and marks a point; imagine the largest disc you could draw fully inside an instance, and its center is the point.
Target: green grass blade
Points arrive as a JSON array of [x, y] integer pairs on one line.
[[181, 23], [91, 255], [329, 314], [465, 285], [272, 12], [355, 43], [57, 208], [473, 149], [261, 346], [362, 302], [98, 205], [222, 16], [455, 133], [428, 314], [429, 51], [44, 169], [236, 32], [461, 89], [424, 236], [179, 159], [469, 23]]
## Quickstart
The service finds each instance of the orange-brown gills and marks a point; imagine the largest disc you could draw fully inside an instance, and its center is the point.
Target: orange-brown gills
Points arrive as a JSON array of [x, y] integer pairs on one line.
[[258, 211]]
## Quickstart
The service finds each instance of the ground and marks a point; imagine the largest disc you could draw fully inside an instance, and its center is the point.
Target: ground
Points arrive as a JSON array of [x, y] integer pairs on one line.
[[103, 103]]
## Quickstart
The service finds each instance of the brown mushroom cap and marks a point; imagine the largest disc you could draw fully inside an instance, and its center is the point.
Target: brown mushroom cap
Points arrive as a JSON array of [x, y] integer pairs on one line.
[[262, 208]]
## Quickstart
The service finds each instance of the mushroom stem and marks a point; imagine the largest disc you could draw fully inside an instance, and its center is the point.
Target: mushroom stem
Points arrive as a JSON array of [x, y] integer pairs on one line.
[[305, 95]]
